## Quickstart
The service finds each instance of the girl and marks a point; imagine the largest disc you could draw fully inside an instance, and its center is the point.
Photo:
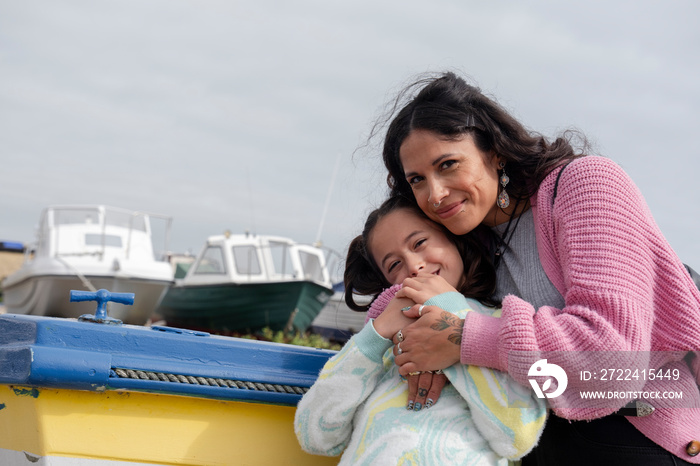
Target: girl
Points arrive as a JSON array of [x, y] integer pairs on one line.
[[357, 406]]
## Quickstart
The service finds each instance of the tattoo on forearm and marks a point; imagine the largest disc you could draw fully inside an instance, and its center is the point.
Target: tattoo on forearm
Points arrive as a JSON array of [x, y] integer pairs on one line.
[[452, 323]]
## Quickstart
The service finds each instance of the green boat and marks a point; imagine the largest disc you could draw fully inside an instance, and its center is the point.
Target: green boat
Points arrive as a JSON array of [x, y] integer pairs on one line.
[[243, 283]]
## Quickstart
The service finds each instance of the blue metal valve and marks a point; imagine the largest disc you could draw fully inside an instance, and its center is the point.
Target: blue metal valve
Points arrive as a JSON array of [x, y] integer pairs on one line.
[[102, 297]]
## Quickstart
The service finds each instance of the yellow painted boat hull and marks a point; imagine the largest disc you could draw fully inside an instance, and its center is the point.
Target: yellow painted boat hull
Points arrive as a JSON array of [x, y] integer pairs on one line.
[[49, 426]]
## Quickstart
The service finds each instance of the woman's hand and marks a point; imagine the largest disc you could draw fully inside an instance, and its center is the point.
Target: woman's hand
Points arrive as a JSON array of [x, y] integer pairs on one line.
[[424, 389], [424, 286], [430, 343]]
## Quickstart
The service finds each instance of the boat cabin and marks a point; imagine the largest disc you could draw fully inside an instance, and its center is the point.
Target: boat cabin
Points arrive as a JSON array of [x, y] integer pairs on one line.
[[105, 233], [252, 258]]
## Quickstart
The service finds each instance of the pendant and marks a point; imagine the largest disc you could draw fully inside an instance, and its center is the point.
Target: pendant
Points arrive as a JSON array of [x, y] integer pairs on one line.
[[503, 199], [504, 179]]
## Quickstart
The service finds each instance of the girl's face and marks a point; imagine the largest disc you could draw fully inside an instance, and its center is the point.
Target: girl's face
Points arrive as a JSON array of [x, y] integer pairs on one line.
[[403, 243], [454, 182]]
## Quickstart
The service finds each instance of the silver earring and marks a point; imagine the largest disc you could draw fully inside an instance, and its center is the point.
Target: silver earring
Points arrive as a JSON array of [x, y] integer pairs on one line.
[[503, 200]]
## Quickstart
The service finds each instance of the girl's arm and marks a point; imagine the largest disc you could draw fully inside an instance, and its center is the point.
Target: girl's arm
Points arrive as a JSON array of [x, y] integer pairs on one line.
[[392, 319], [324, 418]]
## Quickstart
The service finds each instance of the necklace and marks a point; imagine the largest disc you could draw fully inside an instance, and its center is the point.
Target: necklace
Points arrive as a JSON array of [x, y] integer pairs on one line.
[[503, 241]]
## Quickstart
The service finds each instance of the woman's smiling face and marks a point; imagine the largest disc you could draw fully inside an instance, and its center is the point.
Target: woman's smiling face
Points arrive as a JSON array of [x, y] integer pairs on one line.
[[454, 182], [404, 243]]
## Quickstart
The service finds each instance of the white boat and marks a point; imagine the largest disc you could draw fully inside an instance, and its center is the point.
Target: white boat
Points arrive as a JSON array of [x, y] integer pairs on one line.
[[336, 321], [11, 258], [246, 282], [88, 248]]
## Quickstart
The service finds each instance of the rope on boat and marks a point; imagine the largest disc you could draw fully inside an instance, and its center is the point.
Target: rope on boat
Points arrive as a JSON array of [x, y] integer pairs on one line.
[[212, 382]]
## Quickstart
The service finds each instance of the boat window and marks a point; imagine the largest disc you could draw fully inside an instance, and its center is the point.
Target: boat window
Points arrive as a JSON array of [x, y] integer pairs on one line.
[[281, 258], [212, 261], [91, 216], [76, 216], [312, 266], [94, 239], [246, 260], [125, 220]]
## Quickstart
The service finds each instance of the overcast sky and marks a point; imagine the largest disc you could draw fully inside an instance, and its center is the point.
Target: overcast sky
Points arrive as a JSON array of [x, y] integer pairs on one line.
[[232, 115]]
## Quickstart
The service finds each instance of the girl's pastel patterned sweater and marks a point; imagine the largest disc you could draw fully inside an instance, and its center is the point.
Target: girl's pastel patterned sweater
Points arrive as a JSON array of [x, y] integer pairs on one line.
[[357, 407], [626, 293]]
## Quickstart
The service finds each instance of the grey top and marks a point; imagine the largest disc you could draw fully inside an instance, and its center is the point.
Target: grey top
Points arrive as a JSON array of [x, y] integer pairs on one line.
[[520, 272]]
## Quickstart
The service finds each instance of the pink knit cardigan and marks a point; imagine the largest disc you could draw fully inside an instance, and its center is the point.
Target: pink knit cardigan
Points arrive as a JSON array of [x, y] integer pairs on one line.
[[624, 290]]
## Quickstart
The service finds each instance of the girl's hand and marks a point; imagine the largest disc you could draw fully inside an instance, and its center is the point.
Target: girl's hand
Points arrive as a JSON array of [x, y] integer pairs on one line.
[[392, 319], [423, 287], [430, 343]]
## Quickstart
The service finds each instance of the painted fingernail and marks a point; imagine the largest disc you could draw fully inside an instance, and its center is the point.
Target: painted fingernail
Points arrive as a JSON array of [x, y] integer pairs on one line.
[[410, 406], [403, 379], [417, 407], [429, 402], [407, 308]]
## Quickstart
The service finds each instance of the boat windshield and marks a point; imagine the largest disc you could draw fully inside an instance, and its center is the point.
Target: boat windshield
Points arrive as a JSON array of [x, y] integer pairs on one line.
[[246, 260], [76, 216], [212, 261], [312, 266], [136, 222], [91, 216], [282, 259]]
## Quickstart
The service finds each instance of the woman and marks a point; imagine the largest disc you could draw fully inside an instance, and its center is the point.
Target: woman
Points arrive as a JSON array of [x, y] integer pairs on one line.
[[582, 269]]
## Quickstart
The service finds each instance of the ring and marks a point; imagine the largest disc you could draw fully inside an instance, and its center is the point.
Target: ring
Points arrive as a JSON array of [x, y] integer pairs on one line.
[[398, 349], [414, 373], [439, 371], [399, 335], [420, 310]]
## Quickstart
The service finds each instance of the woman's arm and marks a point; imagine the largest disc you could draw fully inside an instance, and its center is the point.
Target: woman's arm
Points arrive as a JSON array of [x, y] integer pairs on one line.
[[507, 414], [596, 254], [594, 244], [621, 282]]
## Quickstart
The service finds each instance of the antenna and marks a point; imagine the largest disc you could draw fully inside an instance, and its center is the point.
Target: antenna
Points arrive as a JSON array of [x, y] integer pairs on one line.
[[328, 199], [251, 211]]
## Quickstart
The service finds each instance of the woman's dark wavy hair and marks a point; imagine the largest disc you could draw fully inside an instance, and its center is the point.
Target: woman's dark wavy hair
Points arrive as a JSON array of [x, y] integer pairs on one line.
[[363, 277], [450, 107]]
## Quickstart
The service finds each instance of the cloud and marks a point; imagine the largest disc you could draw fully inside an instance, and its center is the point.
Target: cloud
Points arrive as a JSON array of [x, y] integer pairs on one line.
[[231, 114]]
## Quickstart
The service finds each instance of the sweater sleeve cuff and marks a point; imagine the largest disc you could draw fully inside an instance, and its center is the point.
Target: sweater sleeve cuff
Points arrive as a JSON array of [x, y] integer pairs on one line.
[[382, 301], [372, 344], [480, 341], [450, 301]]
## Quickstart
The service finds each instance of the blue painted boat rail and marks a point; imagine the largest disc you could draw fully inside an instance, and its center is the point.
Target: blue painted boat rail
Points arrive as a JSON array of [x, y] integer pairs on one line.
[[66, 353], [11, 246]]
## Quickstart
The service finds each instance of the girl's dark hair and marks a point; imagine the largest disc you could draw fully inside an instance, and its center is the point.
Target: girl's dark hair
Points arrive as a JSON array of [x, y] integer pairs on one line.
[[363, 277], [450, 107]]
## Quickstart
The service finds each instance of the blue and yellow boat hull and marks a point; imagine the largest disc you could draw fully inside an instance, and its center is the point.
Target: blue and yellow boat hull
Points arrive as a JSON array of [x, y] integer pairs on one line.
[[83, 394]]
